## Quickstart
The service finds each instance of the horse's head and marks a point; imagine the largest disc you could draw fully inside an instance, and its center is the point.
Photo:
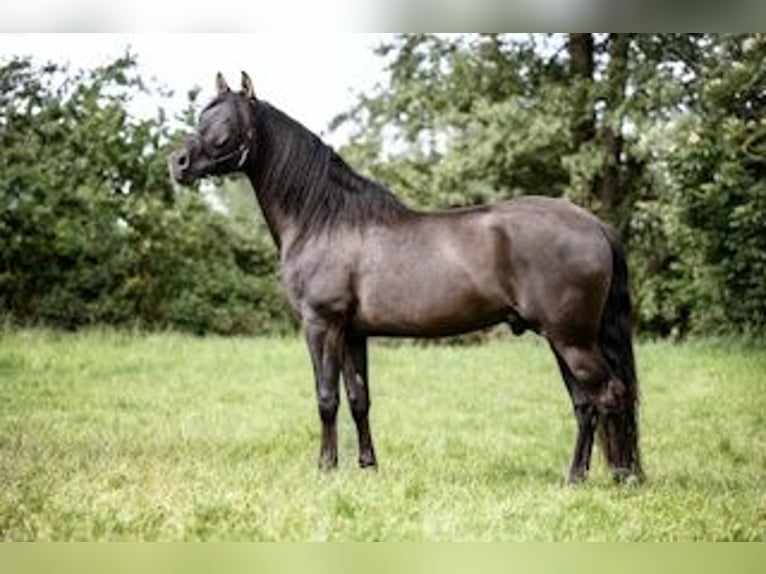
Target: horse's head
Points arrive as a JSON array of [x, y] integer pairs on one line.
[[223, 140]]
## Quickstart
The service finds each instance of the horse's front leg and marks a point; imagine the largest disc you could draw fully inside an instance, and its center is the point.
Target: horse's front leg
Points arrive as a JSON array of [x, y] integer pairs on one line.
[[325, 342], [355, 378]]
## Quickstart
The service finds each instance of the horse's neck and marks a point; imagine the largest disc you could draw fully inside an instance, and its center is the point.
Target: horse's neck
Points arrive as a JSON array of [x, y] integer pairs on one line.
[[279, 226], [297, 178], [262, 180], [268, 173]]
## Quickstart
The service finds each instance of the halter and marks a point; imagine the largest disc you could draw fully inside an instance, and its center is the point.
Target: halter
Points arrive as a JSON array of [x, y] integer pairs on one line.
[[243, 150]]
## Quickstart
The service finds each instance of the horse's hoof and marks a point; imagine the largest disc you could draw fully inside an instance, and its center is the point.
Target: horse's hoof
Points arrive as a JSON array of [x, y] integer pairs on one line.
[[576, 477], [327, 464], [367, 460]]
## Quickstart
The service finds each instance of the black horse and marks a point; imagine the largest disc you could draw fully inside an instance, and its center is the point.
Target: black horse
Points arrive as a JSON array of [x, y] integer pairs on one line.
[[356, 263]]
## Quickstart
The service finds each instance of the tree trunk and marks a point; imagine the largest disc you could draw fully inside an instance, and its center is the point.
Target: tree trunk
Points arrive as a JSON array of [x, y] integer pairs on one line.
[[607, 187], [581, 49]]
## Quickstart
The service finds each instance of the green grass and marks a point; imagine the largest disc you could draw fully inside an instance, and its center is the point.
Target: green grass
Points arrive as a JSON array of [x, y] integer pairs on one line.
[[120, 436]]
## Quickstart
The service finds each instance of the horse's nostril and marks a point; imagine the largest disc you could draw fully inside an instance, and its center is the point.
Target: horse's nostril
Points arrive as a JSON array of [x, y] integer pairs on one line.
[[182, 160]]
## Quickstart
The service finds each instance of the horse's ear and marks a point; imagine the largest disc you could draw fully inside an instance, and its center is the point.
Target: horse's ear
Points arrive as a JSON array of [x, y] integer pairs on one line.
[[220, 84], [247, 86]]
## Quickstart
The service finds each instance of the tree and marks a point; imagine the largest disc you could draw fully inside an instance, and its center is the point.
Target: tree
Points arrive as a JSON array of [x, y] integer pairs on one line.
[[719, 184], [489, 116], [95, 232]]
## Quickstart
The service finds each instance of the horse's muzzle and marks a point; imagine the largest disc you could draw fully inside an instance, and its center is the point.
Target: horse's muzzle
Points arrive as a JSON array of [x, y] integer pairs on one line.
[[179, 164]]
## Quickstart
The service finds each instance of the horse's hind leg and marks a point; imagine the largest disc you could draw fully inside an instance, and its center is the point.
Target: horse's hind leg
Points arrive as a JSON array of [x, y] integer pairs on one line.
[[609, 403], [587, 418], [355, 378]]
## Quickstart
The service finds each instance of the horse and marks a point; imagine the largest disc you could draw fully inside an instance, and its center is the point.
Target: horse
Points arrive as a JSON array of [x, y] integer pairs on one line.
[[357, 263]]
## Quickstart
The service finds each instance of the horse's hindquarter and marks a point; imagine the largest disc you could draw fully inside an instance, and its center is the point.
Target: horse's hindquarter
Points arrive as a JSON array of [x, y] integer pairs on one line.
[[546, 261], [563, 266]]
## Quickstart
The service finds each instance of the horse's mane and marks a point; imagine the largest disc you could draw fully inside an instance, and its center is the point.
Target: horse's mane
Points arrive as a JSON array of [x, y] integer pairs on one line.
[[310, 182]]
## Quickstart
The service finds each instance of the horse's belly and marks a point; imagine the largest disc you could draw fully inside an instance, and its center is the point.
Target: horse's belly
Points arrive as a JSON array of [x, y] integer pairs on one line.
[[436, 308], [438, 328]]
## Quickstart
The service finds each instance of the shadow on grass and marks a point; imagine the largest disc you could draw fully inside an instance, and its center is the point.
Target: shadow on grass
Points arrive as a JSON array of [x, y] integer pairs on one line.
[[508, 470]]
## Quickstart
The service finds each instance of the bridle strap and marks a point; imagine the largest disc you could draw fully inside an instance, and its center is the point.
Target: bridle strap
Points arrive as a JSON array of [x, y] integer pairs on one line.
[[243, 150]]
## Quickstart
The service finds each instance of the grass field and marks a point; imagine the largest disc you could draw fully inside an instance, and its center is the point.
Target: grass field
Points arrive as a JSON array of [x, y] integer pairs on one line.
[[122, 436]]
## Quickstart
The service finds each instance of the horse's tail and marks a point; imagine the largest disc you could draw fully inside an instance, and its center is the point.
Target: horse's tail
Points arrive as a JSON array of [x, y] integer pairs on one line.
[[618, 429]]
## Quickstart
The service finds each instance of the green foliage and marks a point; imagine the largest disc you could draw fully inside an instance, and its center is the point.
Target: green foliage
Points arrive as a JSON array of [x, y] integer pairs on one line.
[[721, 181], [458, 124], [702, 262], [94, 231], [113, 436]]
